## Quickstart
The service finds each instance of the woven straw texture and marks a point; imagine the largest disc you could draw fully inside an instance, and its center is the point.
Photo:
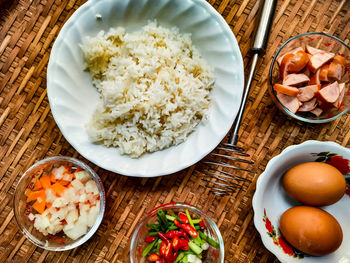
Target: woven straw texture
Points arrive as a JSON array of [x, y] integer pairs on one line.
[[29, 133]]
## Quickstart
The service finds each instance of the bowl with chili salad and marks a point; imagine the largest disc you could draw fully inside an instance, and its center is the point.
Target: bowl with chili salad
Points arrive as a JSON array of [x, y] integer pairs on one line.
[[177, 233]]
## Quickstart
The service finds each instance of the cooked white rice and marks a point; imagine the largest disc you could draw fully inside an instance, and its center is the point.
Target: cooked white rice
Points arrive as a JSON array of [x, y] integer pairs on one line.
[[154, 85]]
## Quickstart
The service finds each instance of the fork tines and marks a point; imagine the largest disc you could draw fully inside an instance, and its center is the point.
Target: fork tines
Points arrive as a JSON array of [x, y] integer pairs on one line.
[[226, 175], [232, 158], [232, 148], [227, 166], [220, 192], [220, 187], [222, 182]]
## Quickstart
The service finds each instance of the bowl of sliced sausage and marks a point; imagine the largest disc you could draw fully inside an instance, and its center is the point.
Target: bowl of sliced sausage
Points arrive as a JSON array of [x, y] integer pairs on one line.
[[309, 77]]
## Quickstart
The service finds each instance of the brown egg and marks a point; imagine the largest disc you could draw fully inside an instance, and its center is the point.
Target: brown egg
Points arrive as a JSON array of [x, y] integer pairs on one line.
[[311, 230], [314, 183]]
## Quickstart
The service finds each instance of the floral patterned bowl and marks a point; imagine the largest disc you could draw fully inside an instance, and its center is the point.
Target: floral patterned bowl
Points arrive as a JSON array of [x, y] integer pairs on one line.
[[270, 200]]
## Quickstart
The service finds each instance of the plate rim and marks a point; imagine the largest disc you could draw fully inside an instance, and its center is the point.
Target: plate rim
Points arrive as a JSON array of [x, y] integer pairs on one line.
[[185, 164]]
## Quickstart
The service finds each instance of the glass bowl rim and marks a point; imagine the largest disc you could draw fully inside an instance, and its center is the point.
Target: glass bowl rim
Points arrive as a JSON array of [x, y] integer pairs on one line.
[[153, 212], [287, 111], [98, 221]]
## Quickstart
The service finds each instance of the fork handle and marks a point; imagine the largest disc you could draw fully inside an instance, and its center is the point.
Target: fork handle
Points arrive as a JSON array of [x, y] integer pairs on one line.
[[234, 136], [262, 33], [260, 43]]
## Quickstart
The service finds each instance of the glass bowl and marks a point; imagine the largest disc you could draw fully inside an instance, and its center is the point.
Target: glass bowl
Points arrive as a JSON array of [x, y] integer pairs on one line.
[[22, 209], [137, 242], [322, 41]]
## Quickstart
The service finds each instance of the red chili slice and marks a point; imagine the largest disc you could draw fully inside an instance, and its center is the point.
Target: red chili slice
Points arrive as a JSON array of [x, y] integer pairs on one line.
[[184, 244], [188, 228], [162, 236], [175, 243], [150, 239], [173, 233], [168, 253], [183, 218], [153, 257], [184, 234], [162, 248]]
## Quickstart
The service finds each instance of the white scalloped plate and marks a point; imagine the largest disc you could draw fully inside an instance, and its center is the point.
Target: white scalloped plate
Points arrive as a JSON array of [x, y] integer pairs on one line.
[[73, 98], [271, 201]]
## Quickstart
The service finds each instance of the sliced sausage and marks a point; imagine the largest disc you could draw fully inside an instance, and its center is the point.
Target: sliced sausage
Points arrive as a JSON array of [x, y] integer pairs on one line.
[[315, 78], [295, 79], [335, 71], [298, 62], [330, 93], [339, 101], [307, 72], [279, 60], [293, 63], [308, 105], [324, 73], [319, 59], [291, 91], [340, 59], [308, 92], [312, 51], [284, 65], [290, 102], [317, 111], [325, 106], [341, 87]]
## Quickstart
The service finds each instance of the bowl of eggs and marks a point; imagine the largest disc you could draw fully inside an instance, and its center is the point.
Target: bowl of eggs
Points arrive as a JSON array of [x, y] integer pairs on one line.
[[301, 204]]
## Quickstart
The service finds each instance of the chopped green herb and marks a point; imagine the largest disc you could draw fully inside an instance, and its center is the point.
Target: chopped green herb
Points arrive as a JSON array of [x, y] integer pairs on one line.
[[171, 218], [196, 221], [149, 248], [196, 249], [212, 242]]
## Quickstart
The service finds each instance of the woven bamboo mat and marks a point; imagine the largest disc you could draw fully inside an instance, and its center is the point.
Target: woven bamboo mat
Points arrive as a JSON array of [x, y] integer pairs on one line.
[[28, 131]]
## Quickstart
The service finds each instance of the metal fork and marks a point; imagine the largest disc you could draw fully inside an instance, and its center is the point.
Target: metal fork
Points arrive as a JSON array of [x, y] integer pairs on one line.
[[226, 183]]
